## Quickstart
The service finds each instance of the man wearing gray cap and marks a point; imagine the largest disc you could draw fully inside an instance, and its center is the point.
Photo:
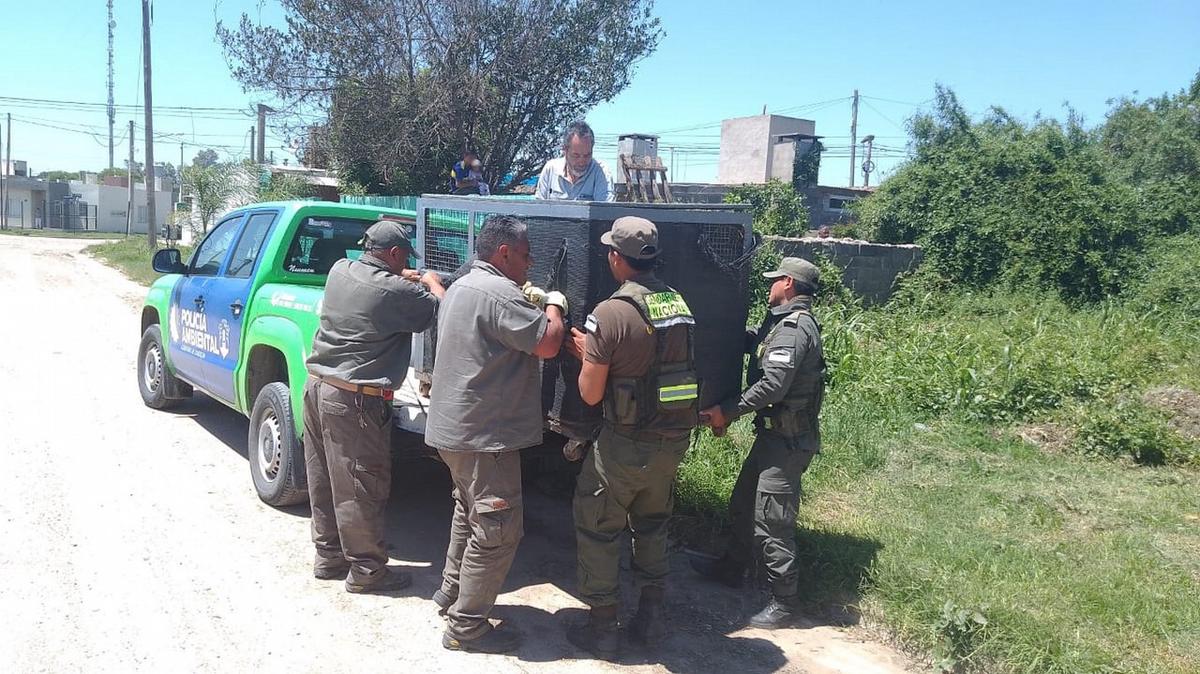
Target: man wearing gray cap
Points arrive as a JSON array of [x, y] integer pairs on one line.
[[371, 308], [637, 360], [787, 382]]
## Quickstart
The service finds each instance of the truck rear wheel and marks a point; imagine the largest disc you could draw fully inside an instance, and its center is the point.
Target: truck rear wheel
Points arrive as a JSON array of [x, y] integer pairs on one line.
[[159, 388], [274, 449]]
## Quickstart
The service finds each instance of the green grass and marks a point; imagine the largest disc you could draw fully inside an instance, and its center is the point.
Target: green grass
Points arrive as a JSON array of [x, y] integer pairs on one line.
[[132, 257], [59, 234], [926, 509]]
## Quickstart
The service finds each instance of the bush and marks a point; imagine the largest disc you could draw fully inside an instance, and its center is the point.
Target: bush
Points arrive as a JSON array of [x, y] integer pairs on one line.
[[1130, 430], [777, 208]]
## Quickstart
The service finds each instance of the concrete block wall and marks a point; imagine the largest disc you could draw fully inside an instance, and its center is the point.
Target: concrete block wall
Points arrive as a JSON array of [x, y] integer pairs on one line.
[[868, 269]]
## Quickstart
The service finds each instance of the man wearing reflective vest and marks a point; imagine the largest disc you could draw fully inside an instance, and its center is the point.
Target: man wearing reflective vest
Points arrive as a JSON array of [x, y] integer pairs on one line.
[[786, 383], [637, 360]]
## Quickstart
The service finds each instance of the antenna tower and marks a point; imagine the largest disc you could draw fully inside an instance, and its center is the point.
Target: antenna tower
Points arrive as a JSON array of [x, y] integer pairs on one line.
[[112, 113]]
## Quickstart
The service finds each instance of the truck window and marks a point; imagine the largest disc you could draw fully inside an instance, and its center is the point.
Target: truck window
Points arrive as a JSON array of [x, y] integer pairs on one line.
[[246, 251], [206, 261], [321, 241]]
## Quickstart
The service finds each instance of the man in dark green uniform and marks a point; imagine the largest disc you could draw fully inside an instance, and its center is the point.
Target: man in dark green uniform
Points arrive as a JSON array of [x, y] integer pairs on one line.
[[787, 382], [637, 359], [371, 308]]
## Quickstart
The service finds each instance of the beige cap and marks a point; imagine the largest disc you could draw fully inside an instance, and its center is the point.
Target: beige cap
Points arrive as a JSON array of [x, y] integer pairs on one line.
[[799, 269], [633, 237]]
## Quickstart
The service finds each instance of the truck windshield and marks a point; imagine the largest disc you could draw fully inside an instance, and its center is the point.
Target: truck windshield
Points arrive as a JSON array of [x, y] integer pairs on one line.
[[321, 241]]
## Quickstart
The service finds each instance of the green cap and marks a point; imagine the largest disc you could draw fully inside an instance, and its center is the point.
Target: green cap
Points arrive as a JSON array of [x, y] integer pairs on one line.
[[633, 237], [803, 271], [387, 234]]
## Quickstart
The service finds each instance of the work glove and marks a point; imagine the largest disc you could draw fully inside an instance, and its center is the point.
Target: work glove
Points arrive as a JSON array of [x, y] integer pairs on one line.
[[557, 299], [534, 294]]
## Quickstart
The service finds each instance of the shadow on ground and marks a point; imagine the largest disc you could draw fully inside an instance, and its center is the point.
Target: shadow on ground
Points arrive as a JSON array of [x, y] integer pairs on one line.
[[702, 615]]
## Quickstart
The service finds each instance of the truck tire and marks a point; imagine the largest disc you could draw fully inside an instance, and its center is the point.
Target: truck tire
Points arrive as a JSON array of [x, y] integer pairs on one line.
[[159, 388], [275, 452]]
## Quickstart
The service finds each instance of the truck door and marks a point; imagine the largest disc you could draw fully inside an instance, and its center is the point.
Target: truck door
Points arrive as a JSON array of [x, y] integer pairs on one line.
[[226, 298], [193, 333]]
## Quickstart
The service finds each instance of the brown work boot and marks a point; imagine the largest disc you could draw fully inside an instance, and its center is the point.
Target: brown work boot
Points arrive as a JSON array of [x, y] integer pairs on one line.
[[495, 640], [387, 579], [598, 634], [647, 625]]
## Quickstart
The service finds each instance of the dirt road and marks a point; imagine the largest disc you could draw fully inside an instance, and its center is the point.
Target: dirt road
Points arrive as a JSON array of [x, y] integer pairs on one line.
[[134, 540]]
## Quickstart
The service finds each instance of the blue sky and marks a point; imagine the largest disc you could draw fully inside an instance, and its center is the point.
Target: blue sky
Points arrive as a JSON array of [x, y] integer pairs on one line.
[[718, 59]]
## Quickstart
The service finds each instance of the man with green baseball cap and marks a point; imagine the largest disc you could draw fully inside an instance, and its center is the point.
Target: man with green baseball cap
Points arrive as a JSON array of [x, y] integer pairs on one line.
[[786, 384], [637, 360]]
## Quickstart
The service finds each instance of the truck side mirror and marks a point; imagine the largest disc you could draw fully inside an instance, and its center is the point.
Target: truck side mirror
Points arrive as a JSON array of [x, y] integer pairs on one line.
[[168, 261]]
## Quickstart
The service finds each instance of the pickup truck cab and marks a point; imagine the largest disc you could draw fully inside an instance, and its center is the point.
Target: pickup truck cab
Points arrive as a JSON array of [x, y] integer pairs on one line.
[[237, 321]]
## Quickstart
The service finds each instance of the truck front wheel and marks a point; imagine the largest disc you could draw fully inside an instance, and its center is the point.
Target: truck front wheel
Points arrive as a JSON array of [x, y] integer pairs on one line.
[[274, 449], [159, 388]]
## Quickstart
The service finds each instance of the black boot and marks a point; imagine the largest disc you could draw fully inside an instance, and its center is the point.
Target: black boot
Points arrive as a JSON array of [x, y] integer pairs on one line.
[[779, 612], [598, 635], [723, 570], [647, 626]]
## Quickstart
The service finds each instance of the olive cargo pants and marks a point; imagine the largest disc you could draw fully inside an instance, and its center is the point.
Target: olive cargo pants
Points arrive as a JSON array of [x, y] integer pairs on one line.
[[347, 452], [624, 483], [764, 506], [488, 523]]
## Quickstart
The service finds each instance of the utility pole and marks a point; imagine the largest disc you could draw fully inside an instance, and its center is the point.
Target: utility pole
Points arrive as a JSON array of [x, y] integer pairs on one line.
[[868, 166], [129, 180], [3, 182], [112, 113], [7, 170], [151, 219], [853, 135], [253, 150], [262, 132]]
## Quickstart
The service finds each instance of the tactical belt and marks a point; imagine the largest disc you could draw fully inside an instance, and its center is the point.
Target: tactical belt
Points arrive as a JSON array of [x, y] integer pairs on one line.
[[373, 391]]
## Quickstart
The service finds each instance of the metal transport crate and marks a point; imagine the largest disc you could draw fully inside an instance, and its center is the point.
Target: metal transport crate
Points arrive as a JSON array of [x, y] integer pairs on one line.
[[706, 251]]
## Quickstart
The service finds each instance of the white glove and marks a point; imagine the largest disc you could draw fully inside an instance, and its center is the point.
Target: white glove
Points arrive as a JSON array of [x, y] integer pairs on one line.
[[534, 294], [557, 299]]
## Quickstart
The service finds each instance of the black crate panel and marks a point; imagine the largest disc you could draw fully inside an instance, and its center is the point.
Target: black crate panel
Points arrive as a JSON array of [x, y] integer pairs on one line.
[[701, 261]]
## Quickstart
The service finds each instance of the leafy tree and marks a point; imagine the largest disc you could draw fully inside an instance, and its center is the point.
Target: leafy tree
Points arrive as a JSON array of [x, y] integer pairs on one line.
[[998, 200], [206, 157], [138, 173], [212, 189], [59, 175], [1154, 146], [404, 84]]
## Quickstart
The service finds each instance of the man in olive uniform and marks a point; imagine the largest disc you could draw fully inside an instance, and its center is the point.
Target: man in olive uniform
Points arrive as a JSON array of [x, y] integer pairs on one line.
[[787, 382], [637, 359], [485, 406], [371, 308]]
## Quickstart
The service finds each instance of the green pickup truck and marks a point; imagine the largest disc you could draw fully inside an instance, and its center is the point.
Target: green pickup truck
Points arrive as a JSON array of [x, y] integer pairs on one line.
[[237, 322]]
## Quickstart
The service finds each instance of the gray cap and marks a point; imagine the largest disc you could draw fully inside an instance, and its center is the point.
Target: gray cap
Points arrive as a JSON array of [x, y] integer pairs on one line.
[[801, 270], [633, 237], [388, 234]]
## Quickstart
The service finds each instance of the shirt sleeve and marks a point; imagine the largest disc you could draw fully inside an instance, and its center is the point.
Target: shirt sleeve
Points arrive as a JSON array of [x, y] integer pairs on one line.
[[779, 360], [602, 335], [412, 308], [519, 324], [543, 183], [609, 193]]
